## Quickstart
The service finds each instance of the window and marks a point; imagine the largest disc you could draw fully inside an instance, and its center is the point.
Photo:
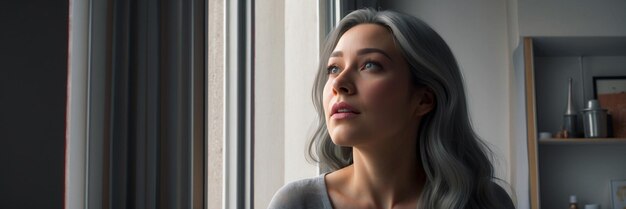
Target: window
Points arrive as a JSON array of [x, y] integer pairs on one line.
[[269, 75]]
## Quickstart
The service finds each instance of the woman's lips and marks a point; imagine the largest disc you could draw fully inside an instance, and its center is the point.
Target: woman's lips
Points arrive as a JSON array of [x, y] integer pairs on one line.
[[343, 110], [343, 115]]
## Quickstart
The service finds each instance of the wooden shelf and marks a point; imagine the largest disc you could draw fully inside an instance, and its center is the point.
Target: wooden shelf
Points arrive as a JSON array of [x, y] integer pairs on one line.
[[546, 63], [581, 141]]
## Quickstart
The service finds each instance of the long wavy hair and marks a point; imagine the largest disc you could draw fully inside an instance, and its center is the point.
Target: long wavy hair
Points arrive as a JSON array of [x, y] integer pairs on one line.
[[456, 161]]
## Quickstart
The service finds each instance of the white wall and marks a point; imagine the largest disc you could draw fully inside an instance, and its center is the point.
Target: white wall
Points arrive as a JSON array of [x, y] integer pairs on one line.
[[519, 145], [301, 53], [476, 31], [286, 54], [572, 18], [269, 101]]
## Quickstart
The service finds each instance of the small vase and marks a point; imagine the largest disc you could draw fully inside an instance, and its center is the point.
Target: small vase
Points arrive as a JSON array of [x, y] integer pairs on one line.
[[570, 119]]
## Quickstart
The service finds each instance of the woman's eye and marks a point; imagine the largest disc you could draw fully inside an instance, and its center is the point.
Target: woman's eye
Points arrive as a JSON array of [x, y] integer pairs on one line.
[[371, 66], [333, 70]]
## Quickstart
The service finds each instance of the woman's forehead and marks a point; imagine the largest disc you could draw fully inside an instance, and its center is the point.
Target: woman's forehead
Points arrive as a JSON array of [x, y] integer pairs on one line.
[[366, 36]]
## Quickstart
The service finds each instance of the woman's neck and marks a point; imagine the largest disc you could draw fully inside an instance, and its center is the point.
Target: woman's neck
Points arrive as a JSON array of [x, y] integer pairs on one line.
[[389, 175]]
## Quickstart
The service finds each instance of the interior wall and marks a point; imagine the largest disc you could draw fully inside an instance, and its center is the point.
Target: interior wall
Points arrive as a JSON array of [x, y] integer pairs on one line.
[[301, 51], [519, 146], [286, 39], [600, 66], [33, 75], [572, 18], [477, 32], [269, 149]]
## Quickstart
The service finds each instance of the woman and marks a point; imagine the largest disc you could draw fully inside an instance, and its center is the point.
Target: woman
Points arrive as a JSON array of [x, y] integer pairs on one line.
[[394, 126]]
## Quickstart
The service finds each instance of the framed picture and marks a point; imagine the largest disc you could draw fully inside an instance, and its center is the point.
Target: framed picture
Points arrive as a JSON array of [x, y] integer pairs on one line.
[[618, 194], [611, 93]]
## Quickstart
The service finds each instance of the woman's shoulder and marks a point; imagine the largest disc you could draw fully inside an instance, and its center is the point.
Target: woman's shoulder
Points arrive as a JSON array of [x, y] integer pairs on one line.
[[500, 194], [302, 194]]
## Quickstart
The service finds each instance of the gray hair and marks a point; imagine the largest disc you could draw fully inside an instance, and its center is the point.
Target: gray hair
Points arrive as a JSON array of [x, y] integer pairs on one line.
[[455, 160]]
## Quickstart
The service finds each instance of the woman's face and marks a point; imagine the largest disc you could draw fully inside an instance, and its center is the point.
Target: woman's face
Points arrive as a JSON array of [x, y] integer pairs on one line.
[[369, 96]]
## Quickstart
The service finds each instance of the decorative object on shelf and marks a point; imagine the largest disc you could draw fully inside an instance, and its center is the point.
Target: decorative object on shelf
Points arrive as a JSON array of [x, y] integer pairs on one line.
[[618, 194], [611, 93], [545, 135], [569, 118], [573, 202], [562, 134], [594, 120]]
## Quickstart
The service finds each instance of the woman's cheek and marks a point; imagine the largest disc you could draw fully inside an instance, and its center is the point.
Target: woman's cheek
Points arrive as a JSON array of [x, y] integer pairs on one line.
[[385, 95], [326, 97], [378, 91]]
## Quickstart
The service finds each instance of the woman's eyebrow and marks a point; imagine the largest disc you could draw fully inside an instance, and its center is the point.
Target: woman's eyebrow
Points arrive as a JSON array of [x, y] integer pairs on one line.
[[373, 50], [362, 52], [336, 54]]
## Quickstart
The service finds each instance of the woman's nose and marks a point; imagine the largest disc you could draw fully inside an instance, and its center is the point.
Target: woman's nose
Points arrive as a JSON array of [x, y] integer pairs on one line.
[[344, 83]]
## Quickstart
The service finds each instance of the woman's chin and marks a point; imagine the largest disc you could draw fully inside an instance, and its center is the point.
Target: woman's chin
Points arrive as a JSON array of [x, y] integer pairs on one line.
[[346, 140], [343, 144]]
